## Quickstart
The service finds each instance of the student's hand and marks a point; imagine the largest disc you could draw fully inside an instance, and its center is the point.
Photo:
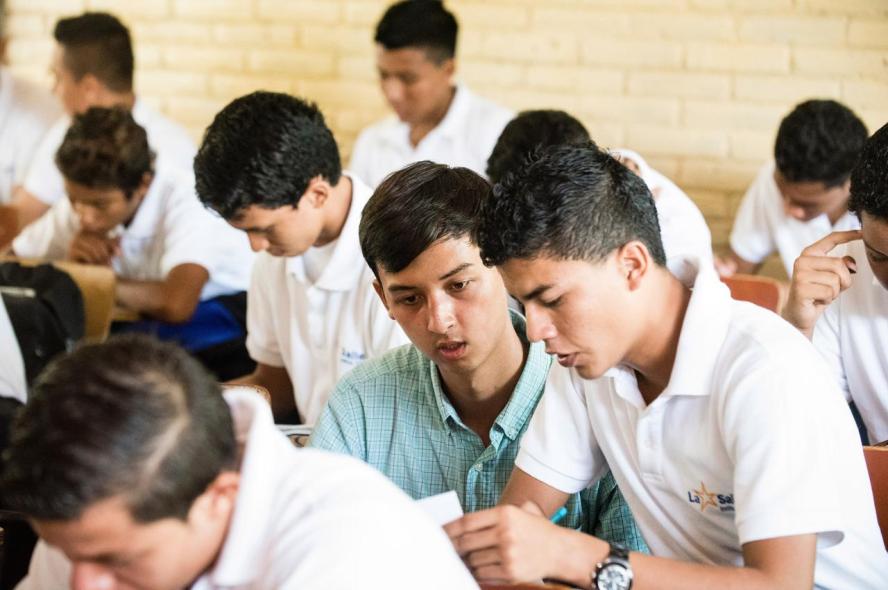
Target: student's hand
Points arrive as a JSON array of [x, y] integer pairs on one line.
[[725, 266], [817, 279], [507, 543], [93, 249]]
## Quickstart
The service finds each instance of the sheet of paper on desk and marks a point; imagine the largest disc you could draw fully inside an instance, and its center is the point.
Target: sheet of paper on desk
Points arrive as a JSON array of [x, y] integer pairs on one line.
[[443, 508]]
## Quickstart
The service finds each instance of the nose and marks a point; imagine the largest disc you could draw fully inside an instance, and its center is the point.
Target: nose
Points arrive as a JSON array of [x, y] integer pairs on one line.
[[258, 242], [91, 576], [393, 89], [539, 326], [89, 219], [440, 315]]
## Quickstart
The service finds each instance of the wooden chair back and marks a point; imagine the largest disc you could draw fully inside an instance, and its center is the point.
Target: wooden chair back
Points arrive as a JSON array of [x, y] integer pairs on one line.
[[763, 291], [877, 465]]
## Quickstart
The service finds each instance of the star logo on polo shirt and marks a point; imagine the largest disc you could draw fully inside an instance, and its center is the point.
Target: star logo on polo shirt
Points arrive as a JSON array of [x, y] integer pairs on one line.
[[707, 498]]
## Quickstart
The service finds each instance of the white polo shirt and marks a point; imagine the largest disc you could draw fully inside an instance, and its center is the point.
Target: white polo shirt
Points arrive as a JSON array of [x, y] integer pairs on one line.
[[319, 330], [12, 367], [26, 114], [306, 518], [171, 227], [762, 225], [172, 146], [465, 137], [683, 228], [852, 336], [750, 440]]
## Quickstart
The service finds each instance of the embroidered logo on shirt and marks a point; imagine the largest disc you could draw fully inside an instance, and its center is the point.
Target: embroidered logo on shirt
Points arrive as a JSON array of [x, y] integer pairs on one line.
[[705, 498], [352, 357]]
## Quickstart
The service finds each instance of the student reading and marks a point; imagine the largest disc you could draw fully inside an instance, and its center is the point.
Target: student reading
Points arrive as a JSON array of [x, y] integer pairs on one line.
[[720, 422]]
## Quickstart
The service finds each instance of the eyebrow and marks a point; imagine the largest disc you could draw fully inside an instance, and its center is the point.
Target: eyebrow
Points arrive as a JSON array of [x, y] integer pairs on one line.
[[535, 294], [874, 250], [396, 287]]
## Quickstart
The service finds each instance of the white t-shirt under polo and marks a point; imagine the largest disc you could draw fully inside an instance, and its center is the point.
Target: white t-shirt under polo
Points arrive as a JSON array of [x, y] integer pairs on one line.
[[171, 227], [465, 137], [683, 228], [750, 440], [172, 146], [26, 114], [306, 518], [319, 330], [852, 335], [762, 225]]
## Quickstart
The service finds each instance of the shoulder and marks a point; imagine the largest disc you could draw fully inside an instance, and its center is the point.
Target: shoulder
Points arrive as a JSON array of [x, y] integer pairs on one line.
[[486, 115], [164, 133], [377, 131]]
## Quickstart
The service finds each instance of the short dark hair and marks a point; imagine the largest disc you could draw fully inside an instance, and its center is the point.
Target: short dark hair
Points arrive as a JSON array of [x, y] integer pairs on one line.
[[105, 148], [869, 179], [97, 43], [568, 202], [263, 149], [819, 141], [415, 207], [423, 24], [530, 129], [132, 417]]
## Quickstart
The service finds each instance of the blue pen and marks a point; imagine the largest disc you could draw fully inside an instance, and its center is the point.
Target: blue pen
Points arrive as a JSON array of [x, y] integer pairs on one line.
[[559, 514]]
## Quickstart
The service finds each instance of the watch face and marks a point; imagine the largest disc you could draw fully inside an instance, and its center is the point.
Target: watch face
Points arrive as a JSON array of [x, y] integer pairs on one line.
[[613, 576]]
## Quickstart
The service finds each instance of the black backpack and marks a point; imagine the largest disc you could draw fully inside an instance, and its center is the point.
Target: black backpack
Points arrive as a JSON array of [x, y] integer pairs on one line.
[[46, 310]]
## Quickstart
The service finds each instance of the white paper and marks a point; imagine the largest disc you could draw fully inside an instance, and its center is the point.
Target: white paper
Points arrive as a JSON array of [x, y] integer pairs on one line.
[[443, 508]]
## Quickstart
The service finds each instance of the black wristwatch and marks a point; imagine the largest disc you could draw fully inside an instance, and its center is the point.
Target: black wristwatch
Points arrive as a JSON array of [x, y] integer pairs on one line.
[[614, 573]]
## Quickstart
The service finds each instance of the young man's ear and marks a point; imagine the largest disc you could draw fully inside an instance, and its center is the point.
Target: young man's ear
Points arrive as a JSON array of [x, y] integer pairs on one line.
[[634, 260], [317, 192], [94, 91], [377, 286], [218, 499]]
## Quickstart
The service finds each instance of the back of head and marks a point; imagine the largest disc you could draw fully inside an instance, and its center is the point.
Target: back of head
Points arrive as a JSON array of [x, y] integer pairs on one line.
[[869, 179], [263, 149], [528, 130], [105, 149], [568, 202], [819, 141], [419, 24], [415, 207], [97, 43], [132, 418]]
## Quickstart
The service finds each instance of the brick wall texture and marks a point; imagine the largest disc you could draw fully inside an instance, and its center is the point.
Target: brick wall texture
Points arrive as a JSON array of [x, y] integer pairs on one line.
[[697, 86]]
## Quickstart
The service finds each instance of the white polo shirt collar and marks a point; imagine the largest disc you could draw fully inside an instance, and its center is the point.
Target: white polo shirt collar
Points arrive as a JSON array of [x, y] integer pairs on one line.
[[341, 274], [703, 330]]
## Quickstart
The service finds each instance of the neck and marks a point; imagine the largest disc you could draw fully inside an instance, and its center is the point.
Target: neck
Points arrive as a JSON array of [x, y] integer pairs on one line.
[[479, 396], [654, 355], [336, 210], [109, 99], [420, 129], [837, 213]]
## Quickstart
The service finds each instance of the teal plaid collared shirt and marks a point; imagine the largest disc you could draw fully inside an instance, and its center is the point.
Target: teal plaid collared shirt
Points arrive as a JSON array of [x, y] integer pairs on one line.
[[392, 413]]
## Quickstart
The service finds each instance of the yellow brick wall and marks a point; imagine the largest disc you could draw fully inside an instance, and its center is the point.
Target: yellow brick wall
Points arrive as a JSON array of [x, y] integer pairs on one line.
[[697, 86]]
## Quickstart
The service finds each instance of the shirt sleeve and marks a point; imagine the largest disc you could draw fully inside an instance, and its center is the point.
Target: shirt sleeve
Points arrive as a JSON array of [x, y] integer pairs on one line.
[[828, 343], [341, 426], [752, 237], [188, 236], [43, 179], [50, 236], [49, 570], [559, 447], [767, 432], [262, 343], [611, 519]]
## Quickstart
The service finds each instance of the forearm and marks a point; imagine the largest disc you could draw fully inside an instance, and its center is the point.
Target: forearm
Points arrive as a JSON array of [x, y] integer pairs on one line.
[[523, 488], [153, 299], [742, 266]]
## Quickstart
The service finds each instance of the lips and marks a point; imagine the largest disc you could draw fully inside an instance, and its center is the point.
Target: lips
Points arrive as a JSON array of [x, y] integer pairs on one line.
[[564, 359], [452, 349]]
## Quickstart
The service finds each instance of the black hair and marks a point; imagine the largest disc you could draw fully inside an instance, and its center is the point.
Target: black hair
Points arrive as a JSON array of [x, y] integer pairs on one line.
[[132, 417], [106, 149], [869, 179], [423, 24], [263, 149], [530, 129], [819, 141], [568, 202], [97, 43], [415, 207]]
